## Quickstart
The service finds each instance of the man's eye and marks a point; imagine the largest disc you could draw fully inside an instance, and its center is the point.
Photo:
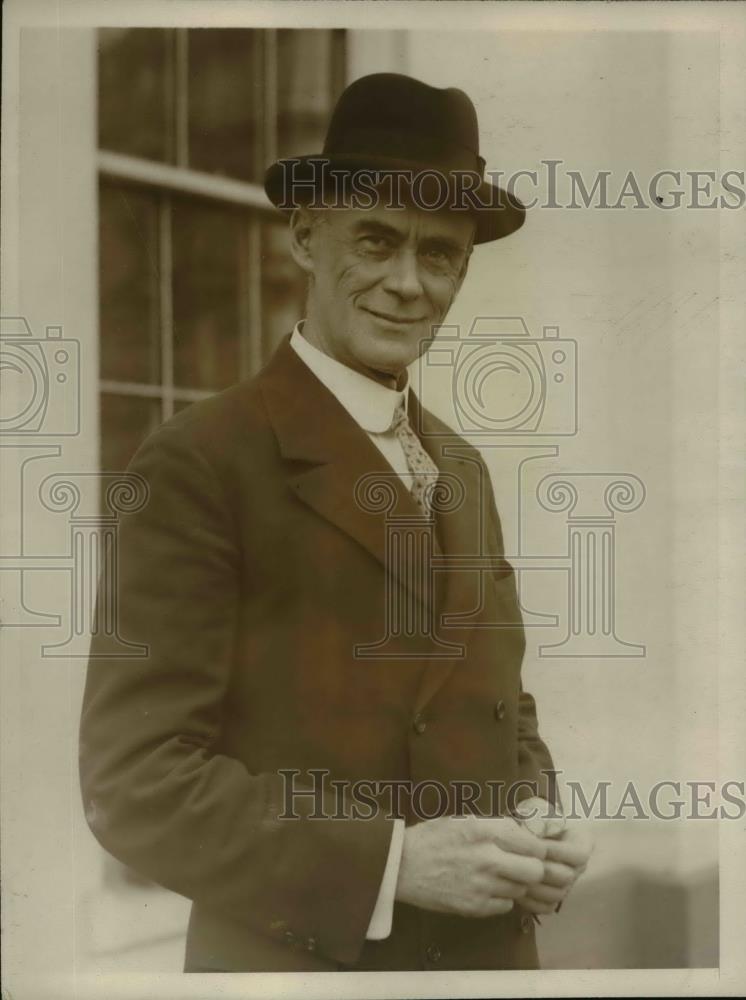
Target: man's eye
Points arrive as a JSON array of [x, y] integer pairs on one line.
[[375, 243]]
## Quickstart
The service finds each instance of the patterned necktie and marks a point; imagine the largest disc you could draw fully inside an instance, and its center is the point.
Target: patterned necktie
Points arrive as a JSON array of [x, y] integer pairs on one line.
[[424, 471]]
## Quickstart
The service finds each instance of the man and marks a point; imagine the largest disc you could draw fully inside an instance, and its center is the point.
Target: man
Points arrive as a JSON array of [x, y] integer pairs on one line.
[[285, 685]]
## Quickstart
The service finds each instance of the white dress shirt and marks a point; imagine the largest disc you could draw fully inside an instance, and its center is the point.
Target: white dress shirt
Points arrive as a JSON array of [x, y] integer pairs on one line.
[[371, 405]]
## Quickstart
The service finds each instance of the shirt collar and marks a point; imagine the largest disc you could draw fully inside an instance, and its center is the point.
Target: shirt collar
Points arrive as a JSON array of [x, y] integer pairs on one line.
[[370, 404]]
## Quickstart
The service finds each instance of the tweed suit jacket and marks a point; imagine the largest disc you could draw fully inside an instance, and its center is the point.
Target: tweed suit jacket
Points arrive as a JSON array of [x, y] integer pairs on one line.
[[260, 578]]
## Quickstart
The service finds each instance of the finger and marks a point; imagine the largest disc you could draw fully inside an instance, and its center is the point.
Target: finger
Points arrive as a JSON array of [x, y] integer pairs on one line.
[[498, 907], [532, 811], [568, 852], [507, 889], [546, 827], [505, 829], [540, 817], [516, 867], [492, 907], [534, 805], [537, 825], [559, 875], [510, 836], [555, 826], [543, 893]]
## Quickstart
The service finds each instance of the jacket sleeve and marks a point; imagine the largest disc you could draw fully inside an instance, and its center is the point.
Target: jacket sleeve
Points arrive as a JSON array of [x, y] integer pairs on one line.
[[536, 773], [157, 792]]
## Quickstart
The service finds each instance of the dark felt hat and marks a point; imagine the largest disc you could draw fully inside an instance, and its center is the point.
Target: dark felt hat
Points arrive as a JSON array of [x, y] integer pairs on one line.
[[388, 122]]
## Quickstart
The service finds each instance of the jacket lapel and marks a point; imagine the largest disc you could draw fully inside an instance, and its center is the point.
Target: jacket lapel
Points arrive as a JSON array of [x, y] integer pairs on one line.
[[342, 475]]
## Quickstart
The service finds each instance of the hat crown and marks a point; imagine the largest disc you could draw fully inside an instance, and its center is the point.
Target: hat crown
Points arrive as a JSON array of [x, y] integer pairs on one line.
[[388, 123], [392, 108]]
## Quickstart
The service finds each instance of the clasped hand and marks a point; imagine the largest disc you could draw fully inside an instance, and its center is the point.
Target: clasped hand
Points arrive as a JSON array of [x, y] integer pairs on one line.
[[481, 866]]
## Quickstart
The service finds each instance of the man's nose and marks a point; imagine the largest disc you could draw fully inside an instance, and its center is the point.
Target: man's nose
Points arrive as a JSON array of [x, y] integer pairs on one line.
[[403, 276]]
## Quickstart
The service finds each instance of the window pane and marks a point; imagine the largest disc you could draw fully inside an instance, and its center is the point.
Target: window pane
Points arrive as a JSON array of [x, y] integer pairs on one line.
[[223, 98], [128, 284], [134, 105], [309, 77], [283, 286], [125, 423], [207, 289]]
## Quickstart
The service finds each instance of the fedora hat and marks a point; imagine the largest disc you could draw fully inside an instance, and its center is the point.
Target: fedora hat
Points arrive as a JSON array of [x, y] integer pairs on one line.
[[390, 123]]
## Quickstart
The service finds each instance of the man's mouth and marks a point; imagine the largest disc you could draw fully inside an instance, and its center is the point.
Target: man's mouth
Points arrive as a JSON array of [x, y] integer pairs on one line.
[[394, 320]]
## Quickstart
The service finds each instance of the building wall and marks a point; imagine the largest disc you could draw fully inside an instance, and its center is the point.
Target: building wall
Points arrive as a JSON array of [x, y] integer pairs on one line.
[[638, 292]]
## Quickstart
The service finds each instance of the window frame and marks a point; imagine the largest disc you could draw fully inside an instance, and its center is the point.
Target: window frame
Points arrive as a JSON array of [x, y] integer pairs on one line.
[[178, 179]]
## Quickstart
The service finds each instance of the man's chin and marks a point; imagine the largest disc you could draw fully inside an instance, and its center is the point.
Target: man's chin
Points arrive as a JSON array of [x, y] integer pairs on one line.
[[385, 363], [386, 355]]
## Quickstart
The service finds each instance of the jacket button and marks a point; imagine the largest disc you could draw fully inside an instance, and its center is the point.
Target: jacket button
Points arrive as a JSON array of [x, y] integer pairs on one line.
[[526, 923], [433, 954], [500, 710], [419, 725]]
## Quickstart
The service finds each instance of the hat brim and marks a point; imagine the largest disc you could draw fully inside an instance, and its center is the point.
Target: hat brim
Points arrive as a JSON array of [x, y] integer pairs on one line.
[[497, 213]]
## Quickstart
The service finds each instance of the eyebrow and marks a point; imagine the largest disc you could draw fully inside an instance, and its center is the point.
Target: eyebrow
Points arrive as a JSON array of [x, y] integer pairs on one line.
[[445, 243], [379, 228]]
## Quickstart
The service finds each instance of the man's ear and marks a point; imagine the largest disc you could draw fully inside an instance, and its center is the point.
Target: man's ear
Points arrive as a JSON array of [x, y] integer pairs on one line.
[[301, 229]]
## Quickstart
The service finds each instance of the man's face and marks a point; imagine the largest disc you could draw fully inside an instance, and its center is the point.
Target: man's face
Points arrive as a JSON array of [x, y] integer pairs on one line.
[[381, 279]]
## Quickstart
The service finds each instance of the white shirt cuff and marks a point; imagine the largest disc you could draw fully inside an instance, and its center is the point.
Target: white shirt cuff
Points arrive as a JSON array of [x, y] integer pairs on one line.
[[383, 912]]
